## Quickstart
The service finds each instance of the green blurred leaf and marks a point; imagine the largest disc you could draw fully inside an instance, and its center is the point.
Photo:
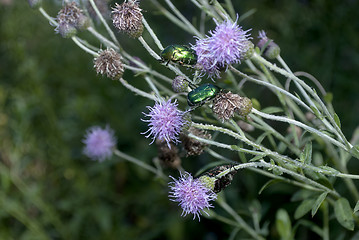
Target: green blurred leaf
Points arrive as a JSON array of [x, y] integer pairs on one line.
[[283, 224], [355, 151], [344, 213], [318, 202], [272, 109], [269, 183], [304, 208], [306, 155], [356, 208], [328, 97]]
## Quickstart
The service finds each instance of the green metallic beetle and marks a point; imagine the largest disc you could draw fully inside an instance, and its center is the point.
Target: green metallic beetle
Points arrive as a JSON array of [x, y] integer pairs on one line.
[[180, 54], [202, 94]]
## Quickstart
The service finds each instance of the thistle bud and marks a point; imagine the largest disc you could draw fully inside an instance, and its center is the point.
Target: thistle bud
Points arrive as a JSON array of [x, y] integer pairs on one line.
[[225, 104], [109, 63], [193, 146], [66, 30], [179, 84], [127, 18], [270, 49], [248, 50], [218, 178]]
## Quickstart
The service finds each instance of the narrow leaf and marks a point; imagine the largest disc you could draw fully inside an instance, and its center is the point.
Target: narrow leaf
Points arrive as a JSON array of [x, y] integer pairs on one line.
[[306, 155], [356, 208], [304, 208], [283, 224], [269, 183], [318, 202], [337, 120], [344, 213]]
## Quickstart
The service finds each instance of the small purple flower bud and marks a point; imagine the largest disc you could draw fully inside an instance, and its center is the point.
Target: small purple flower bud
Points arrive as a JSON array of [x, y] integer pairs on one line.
[[269, 48], [191, 194], [179, 84], [165, 123], [109, 63], [127, 18], [99, 143], [66, 30]]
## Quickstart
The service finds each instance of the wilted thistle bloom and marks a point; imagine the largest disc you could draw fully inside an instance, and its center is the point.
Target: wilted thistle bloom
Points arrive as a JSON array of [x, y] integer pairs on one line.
[[109, 62], [191, 194], [99, 143], [271, 49], [225, 104], [228, 44], [168, 156], [70, 18], [192, 146], [218, 178], [166, 122], [127, 18]]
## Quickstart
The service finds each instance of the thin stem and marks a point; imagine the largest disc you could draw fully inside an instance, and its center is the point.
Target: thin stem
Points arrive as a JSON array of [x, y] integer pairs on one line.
[[103, 39], [110, 32], [137, 91], [153, 35], [148, 48], [299, 124], [152, 86], [51, 19], [83, 47]]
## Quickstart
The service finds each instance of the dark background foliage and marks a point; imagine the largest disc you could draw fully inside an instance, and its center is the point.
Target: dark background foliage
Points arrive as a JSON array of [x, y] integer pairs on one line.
[[50, 95]]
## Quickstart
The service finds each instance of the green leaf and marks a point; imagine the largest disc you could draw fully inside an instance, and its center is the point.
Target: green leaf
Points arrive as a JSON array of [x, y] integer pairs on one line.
[[328, 97], [318, 202], [329, 170], [344, 213], [356, 208], [304, 208], [306, 155], [271, 110], [316, 112], [337, 120], [283, 224], [269, 183]]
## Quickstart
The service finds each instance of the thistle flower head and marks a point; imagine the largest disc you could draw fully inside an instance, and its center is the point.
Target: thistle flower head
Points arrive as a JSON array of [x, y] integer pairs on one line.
[[227, 44], [127, 18], [166, 122], [109, 62], [99, 143], [191, 194], [269, 48], [70, 18], [225, 104]]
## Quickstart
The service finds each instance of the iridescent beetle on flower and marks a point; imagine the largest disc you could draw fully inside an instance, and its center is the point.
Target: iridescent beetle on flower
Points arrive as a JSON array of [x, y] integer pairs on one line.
[[202, 94], [180, 54]]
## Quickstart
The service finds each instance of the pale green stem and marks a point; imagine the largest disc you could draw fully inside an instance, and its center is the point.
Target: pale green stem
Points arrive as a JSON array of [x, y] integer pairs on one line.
[[83, 47], [269, 85], [220, 10], [299, 124], [137, 91], [110, 32], [51, 20], [230, 8], [183, 19], [148, 48], [239, 219], [138, 162], [152, 86], [153, 35], [102, 39]]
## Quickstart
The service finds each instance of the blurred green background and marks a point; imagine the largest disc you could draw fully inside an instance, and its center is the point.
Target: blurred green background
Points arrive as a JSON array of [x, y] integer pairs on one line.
[[50, 95]]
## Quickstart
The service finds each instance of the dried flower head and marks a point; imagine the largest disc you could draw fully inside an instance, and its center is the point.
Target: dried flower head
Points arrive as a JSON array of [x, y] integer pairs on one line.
[[127, 18], [270, 49], [70, 18], [109, 62], [191, 194], [168, 156], [225, 104], [166, 122], [179, 84], [228, 44], [99, 143], [219, 177], [192, 146]]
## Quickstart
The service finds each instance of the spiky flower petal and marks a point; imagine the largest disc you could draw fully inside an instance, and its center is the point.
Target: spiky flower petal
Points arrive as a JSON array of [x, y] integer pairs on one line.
[[191, 194], [99, 143], [227, 44], [166, 121], [127, 18]]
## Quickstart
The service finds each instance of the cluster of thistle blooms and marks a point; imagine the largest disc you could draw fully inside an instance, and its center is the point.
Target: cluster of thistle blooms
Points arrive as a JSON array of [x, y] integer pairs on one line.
[[227, 44]]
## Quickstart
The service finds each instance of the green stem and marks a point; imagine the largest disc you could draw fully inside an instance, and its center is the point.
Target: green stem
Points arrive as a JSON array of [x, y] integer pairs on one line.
[[153, 35], [137, 91], [83, 47]]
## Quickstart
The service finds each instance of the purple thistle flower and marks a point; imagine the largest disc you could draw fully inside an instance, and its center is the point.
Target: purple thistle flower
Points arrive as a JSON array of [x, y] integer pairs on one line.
[[193, 196], [228, 44], [166, 122], [99, 143]]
